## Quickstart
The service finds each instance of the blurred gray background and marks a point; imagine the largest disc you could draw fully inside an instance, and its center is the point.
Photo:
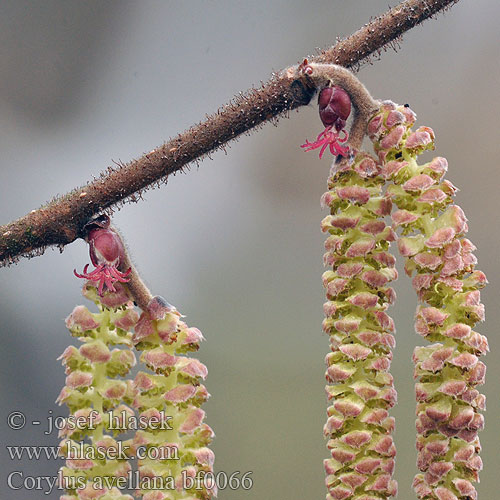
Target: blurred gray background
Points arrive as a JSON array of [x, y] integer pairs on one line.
[[235, 244]]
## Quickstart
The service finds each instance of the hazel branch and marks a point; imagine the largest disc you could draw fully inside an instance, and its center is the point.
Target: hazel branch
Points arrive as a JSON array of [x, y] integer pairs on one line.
[[61, 221]]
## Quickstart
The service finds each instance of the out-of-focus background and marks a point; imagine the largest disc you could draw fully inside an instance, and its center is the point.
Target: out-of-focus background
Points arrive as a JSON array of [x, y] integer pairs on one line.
[[234, 244]]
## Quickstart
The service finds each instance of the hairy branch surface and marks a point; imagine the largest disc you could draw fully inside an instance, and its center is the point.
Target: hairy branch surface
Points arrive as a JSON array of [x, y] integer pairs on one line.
[[61, 221]]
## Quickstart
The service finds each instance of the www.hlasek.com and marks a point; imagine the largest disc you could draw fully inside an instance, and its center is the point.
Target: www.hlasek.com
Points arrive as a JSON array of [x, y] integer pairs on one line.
[[83, 451], [16, 480]]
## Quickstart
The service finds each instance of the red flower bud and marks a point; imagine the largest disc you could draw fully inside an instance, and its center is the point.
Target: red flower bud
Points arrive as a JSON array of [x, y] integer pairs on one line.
[[334, 107], [106, 253]]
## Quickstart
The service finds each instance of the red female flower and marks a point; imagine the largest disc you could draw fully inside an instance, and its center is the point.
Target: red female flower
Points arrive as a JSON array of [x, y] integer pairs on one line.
[[334, 109], [106, 253], [328, 138]]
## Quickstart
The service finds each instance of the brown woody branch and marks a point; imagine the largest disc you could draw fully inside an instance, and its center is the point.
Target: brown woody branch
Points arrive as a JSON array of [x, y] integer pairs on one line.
[[61, 221]]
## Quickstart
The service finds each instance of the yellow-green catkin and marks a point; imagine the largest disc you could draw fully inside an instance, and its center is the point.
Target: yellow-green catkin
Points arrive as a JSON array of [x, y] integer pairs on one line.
[[360, 387], [162, 405], [440, 259], [171, 392], [99, 399]]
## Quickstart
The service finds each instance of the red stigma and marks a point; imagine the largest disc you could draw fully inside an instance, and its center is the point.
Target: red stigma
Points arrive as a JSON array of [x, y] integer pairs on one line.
[[331, 139]]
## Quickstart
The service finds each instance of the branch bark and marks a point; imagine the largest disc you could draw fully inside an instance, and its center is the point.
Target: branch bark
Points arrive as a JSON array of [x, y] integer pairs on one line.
[[61, 221]]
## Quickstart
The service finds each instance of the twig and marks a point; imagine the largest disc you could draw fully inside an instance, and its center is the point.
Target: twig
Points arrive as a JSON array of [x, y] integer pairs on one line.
[[61, 221]]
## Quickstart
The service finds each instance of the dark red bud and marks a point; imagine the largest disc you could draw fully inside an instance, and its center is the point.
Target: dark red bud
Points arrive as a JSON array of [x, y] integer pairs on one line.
[[334, 107], [105, 247]]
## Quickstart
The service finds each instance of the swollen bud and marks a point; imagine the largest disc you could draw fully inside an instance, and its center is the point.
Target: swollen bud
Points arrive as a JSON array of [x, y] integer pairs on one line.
[[334, 107], [107, 252], [105, 245]]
